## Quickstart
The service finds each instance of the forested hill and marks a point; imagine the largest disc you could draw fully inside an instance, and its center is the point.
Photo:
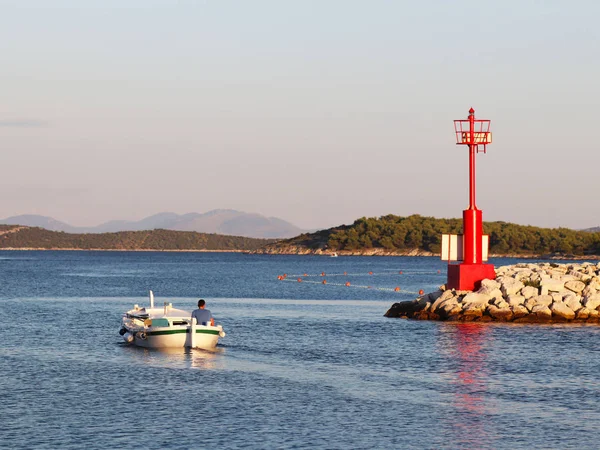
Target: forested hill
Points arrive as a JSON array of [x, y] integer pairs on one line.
[[422, 235], [18, 237]]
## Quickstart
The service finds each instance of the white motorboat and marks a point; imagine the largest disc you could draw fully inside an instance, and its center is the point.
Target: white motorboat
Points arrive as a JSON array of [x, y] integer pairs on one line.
[[167, 327]]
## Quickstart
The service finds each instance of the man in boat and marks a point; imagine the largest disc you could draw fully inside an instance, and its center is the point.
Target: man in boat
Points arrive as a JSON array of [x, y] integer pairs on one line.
[[203, 316]]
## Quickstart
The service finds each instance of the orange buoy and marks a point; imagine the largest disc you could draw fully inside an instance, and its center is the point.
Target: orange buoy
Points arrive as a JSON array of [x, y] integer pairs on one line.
[[370, 273], [438, 271], [305, 274], [368, 287], [279, 277], [299, 280], [347, 283], [324, 281], [285, 275], [345, 273], [400, 272], [322, 274], [397, 289], [421, 292]]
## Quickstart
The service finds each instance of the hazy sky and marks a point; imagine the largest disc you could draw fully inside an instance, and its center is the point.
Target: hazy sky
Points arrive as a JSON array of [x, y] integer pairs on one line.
[[317, 112]]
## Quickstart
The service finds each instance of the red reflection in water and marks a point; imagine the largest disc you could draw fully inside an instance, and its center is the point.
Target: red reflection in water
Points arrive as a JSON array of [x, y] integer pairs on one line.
[[466, 348], [469, 340]]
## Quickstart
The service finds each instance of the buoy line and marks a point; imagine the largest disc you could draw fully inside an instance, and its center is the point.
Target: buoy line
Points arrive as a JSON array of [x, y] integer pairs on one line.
[[371, 274], [348, 284]]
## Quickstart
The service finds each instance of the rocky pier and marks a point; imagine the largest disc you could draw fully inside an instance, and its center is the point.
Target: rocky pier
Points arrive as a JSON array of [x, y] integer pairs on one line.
[[529, 293]]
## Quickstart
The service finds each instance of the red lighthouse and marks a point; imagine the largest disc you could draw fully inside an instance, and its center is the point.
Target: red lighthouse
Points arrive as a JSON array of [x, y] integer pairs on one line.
[[472, 247]]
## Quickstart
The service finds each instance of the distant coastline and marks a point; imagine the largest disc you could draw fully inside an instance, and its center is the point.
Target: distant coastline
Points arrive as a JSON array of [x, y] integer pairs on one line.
[[413, 252], [16, 237], [32, 249], [385, 236]]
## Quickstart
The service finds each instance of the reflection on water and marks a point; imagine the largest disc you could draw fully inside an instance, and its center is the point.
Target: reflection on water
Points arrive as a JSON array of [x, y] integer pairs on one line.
[[205, 359], [464, 344], [181, 358]]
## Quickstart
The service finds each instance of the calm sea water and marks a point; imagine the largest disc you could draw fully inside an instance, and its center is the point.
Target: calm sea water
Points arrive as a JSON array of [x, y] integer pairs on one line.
[[303, 365]]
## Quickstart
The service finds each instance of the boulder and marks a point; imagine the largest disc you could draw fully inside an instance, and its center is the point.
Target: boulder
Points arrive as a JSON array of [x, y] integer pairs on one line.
[[529, 304], [582, 314], [426, 305], [500, 303], [566, 278], [519, 311], [594, 314], [472, 310], [501, 271], [449, 309], [591, 302], [449, 301], [575, 286], [588, 291], [433, 296], [490, 293], [510, 286], [403, 309], [568, 295], [515, 299], [545, 300], [573, 302], [500, 313], [529, 291], [489, 284], [475, 297], [445, 296], [551, 285], [522, 273], [560, 310], [541, 312]]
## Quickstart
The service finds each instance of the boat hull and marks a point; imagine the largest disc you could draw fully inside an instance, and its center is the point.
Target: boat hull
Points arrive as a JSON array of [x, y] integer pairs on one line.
[[206, 338]]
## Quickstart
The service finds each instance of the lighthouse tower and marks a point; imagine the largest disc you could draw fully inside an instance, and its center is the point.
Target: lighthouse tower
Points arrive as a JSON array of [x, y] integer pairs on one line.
[[470, 249]]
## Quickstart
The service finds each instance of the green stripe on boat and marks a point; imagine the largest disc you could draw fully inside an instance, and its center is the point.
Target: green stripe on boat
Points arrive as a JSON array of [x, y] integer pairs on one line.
[[160, 333]]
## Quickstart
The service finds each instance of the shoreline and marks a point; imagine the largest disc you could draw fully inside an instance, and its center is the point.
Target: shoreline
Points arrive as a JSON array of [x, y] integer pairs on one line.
[[375, 253], [415, 252]]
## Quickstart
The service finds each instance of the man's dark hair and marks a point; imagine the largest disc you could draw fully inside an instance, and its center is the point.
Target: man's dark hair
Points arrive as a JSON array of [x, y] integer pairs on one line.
[[201, 303]]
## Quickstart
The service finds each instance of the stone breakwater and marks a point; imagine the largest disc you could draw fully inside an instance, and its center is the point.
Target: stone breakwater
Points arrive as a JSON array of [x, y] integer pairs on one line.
[[544, 292]]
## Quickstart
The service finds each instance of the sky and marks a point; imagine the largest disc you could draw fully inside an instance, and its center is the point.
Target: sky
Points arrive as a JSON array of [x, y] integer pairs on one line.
[[316, 112]]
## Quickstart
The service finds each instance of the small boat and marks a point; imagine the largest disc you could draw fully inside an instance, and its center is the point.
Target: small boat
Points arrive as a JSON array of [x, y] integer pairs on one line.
[[334, 255], [167, 327]]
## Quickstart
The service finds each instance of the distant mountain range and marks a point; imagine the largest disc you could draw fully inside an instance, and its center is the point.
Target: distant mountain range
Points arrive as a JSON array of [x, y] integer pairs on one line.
[[592, 230], [219, 221]]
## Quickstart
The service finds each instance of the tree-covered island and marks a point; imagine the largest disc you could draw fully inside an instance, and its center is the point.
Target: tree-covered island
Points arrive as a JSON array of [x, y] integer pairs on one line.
[[419, 235], [19, 237]]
